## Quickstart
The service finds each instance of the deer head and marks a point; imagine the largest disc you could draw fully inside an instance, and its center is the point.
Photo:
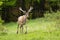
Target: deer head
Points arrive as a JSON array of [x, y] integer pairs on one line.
[[26, 12]]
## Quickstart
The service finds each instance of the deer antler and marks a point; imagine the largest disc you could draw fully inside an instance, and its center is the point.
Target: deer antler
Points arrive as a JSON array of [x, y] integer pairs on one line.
[[22, 10], [30, 9]]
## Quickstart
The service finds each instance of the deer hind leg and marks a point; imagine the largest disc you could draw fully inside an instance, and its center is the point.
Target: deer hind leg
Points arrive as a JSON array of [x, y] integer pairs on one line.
[[21, 28], [17, 28], [26, 30]]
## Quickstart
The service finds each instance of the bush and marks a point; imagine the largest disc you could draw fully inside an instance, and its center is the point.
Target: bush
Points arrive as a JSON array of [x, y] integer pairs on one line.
[[52, 16], [1, 21], [3, 29]]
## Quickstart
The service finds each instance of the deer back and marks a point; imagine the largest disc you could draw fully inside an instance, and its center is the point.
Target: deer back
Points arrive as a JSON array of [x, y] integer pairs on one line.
[[22, 19]]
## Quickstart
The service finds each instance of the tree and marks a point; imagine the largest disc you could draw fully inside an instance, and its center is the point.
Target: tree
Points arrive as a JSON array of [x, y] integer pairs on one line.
[[10, 8]]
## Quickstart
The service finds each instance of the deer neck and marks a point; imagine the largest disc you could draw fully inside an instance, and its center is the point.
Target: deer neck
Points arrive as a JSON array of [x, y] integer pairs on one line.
[[27, 15]]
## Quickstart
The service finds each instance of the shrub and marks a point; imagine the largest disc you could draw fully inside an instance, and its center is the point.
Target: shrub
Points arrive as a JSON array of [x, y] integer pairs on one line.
[[52, 16], [2, 28]]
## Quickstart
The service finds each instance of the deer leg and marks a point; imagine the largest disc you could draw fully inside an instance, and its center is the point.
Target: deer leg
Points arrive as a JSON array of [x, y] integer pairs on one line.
[[21, 28], [17, 28], [26, 30]]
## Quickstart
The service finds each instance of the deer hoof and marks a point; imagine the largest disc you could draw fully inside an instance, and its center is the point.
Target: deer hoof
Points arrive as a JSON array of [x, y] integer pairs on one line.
[[17, 32], [25, 32]]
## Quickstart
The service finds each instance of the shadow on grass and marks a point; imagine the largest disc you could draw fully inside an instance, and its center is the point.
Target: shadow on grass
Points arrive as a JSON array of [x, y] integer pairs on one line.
[[3, 33]]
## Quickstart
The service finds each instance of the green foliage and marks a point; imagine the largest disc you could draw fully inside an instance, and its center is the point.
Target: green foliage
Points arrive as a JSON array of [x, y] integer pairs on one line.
[[3, 0], [38, 1], [1, 3], [2, 28], [1, 21], [10, 3], [30, 16], [54, 16], [53, 0], [25, 4]]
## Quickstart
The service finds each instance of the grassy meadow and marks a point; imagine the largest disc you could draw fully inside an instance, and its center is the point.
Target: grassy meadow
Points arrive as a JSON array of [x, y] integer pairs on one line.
[[45, 28]]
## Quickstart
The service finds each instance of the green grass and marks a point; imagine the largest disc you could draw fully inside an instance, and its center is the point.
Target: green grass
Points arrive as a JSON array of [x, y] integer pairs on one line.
[[47, 28]]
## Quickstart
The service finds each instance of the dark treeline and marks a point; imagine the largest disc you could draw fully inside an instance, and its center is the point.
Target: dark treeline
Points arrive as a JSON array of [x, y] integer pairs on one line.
[[10, 9]]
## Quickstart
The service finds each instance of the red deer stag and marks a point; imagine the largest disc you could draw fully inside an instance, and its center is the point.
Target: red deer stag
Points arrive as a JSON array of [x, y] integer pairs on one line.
[[22, 19]]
